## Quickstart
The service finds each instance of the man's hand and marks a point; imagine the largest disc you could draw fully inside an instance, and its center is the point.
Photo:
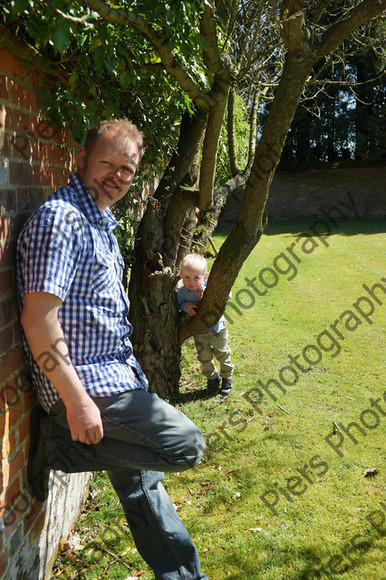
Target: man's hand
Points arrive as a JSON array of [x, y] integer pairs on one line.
[[42, 329], [85, 422]]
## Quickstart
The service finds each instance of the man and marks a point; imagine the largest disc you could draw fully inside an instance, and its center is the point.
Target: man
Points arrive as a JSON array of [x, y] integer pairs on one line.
[[98, 413]]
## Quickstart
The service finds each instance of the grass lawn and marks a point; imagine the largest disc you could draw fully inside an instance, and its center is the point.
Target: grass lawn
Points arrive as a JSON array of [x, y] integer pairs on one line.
[[292, 484]]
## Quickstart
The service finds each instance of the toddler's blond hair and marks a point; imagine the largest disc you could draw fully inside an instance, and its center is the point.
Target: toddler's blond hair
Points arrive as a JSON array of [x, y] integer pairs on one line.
[[195, 262]]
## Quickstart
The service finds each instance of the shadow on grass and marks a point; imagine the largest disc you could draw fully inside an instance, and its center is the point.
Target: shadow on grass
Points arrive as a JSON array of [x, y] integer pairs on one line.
[[343, 227], [313, 565], [191, 395]]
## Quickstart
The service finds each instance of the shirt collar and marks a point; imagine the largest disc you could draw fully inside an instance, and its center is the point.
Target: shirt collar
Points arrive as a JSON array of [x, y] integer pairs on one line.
[[90, 208]]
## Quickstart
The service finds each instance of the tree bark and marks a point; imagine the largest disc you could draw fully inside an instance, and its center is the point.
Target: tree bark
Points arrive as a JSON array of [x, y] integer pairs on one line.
[[152, 288], [249, 223], [154, 315]]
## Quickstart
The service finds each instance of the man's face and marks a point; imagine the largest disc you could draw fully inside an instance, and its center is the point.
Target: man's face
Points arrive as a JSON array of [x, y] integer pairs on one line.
[[193, 279], [109, 168]]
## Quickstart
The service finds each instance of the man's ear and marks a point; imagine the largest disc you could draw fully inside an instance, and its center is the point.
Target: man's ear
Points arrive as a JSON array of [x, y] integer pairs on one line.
[[81, 157]]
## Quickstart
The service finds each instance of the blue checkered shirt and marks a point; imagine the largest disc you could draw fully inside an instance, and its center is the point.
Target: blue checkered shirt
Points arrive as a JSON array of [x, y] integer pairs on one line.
[[67, 248]]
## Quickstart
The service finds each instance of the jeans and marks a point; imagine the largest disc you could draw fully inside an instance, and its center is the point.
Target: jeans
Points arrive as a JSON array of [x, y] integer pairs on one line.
[[143, 437]]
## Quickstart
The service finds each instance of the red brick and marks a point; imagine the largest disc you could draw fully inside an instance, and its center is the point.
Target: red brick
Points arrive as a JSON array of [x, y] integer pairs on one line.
[[28, 400], [6, 145], [3, 425], [56, 154], [8, 310], [22, 96], [14, 408], [38, 79], [34, 520], [10, 64], [61, 177], [45, 131], [21, 173], [23, 146], [10, 363], [20, 121], [40, 153], [6, 339], [43, 175], [12, 493], [71, 156], [6, 283], [16, 333], [9, 396], [4, 227], [38, 525], [24, 429], [5, 469], [7, 255], [4, 82], [7, 201], [22, 503], [23, 199], [16, 464], [9, 443]]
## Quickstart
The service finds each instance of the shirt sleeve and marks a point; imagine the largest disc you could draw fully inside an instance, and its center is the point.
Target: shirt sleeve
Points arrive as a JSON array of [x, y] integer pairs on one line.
[[181, 298], [50, 249]]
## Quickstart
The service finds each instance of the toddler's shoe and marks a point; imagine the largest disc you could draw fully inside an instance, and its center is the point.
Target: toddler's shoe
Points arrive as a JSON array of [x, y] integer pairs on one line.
[[226, 386], [212, 386]]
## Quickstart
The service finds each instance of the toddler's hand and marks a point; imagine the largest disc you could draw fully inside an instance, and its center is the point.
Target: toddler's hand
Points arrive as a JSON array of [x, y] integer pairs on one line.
[[201, 293], [191, 308]]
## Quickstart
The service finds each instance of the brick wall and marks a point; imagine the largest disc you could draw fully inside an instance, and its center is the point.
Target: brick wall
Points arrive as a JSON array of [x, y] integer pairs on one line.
[[310, 194], [34, 159]]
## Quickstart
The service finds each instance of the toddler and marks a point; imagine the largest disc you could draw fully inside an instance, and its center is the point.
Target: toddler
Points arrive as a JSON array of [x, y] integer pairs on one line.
[[212, 342]]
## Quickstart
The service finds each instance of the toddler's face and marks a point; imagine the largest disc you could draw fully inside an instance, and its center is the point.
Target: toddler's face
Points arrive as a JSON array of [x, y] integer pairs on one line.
[[192, 279]]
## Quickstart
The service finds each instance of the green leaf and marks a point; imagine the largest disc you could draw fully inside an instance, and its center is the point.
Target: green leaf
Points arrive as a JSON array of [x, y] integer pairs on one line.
[[18, 6], [61, 38], [202, 42], [73, 80], [124, 79]]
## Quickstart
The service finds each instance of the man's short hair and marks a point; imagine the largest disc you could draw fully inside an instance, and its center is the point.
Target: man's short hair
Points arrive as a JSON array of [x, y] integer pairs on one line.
[[195, 262], [121, 126]]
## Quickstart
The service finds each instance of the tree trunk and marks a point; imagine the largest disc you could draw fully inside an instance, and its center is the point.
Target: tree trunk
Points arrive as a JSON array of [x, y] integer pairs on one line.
[[152, 288], [163, 238], [154, 309], [208, 219], [249, 224]]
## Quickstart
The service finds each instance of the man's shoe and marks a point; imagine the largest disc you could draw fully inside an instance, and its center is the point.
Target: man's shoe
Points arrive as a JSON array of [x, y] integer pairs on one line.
[[212, 386], [226, 387], [38, 467]]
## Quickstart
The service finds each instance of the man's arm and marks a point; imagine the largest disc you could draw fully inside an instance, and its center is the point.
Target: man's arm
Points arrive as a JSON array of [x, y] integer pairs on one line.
[[42, 328]]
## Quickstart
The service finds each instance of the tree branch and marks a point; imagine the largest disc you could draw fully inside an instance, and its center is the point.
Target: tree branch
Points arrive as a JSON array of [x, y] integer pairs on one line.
[[123, 17], [192, 130], [212, 136], [317, 12], [356, 17], [293, 25], [67, 16], [231, 134], [211, 55]]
